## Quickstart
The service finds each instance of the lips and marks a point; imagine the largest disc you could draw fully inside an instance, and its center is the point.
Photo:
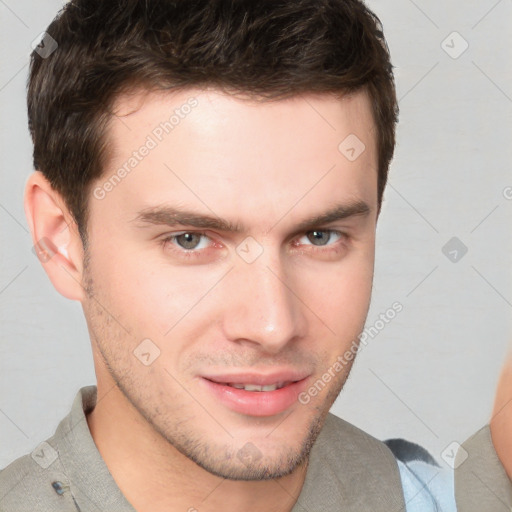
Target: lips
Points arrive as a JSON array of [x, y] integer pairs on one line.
[[257, 394]]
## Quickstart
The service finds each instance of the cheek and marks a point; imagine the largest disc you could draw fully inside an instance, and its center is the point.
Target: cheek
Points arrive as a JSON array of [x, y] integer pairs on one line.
[[152, 297], [341, 292], [132, 291]]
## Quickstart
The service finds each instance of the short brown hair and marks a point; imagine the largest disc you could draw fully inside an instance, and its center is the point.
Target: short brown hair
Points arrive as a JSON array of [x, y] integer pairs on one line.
[[269, 49]]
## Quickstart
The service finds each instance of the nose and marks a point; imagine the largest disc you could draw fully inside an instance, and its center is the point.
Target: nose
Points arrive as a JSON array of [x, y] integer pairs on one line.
[[262, 308]]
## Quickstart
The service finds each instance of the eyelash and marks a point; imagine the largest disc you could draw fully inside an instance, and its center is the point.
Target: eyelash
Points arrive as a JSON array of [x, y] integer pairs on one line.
[[194, 253]]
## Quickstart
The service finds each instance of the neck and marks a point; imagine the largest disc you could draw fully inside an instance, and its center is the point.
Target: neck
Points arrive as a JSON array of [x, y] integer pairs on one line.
[[155, 477]]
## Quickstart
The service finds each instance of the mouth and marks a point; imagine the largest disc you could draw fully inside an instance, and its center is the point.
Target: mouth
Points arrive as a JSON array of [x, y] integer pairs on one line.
[[256, 387], [256, 395]]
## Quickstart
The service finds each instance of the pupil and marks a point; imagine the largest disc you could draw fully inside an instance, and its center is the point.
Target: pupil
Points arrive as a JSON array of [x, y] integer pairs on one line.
[[317, 235], [189, 244]]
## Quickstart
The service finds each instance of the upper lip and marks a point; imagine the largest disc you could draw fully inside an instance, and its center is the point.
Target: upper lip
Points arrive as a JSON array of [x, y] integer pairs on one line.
[[257, 379]]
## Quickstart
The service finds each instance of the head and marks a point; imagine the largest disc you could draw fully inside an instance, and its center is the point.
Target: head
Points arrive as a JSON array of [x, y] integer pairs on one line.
[[210, 175]]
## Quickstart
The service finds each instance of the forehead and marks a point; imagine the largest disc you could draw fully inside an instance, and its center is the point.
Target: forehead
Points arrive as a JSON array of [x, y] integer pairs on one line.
[[211, 151], [144, 109]]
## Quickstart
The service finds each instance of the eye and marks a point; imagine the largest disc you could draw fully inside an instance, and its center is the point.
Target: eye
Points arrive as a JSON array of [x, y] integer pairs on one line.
[[187, 243], [321, 237]]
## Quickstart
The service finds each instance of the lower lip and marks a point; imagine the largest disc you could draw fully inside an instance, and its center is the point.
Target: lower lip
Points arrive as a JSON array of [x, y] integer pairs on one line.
[[257, 403]]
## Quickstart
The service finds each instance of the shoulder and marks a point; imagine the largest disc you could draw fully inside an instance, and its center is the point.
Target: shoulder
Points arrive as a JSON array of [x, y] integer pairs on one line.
[[35, 482], [362, 457], [337, 430], [480, 446], [339, 436], [481, 482], [349, 466], [39, 481]]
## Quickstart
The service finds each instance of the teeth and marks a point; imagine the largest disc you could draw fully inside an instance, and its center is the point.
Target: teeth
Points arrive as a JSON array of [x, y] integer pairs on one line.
[[255, 387]]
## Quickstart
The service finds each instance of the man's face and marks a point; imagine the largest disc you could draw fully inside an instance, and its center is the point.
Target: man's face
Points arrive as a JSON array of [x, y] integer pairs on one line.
[[189, 328]]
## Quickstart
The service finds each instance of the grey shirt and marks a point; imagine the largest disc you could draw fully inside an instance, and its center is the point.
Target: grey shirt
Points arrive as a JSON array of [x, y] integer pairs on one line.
[[481, 483], [348, 470]]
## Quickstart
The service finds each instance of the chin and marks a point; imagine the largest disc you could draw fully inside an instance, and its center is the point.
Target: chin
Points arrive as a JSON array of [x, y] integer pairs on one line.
[[262, 459], [240, 467]]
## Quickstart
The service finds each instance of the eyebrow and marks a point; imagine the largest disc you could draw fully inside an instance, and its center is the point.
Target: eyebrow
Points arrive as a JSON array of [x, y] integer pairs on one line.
[[170, 216]]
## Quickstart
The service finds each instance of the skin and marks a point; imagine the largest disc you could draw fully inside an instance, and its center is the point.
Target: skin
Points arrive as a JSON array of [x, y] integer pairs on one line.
[[501, 421], [168, 442]]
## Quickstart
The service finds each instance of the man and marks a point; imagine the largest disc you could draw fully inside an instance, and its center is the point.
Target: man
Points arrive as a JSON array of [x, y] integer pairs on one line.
[[483, 476], [208, 180]]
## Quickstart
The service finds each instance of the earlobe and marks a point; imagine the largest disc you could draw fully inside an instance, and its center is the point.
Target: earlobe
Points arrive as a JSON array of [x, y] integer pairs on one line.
[[56, 241]]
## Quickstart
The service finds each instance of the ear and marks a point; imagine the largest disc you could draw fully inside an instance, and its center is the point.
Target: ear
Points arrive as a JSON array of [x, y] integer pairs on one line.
[[55, 236]]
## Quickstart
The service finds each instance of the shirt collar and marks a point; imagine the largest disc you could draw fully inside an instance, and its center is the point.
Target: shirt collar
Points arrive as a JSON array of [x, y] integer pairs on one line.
[[91, 483]]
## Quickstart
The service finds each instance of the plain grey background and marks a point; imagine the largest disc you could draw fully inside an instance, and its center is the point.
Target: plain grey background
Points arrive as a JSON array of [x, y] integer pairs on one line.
[[429, 375]]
